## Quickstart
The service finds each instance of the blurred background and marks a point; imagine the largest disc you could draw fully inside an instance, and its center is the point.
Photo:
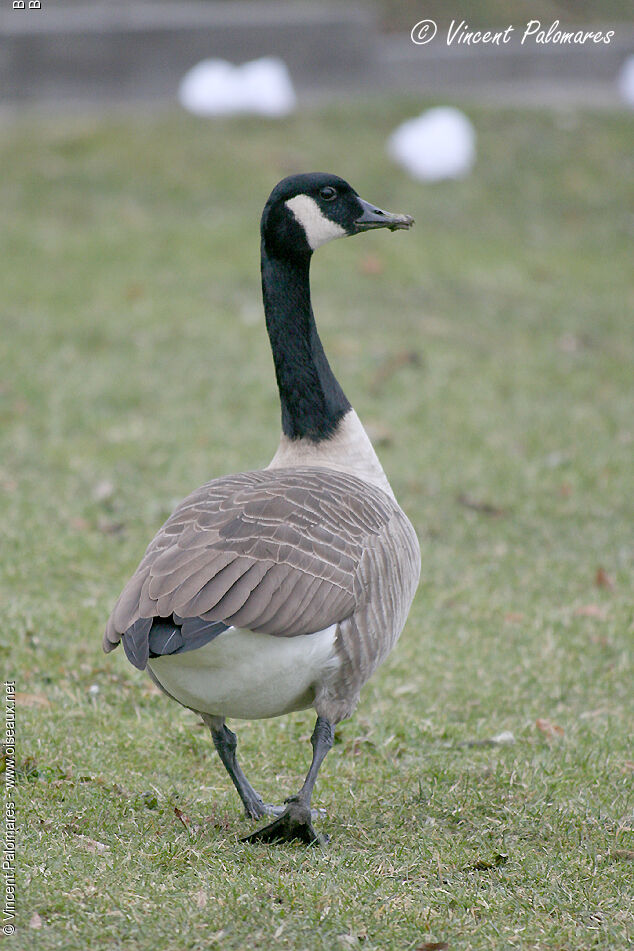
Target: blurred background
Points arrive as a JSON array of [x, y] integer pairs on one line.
[[71, 51], [489, 352]]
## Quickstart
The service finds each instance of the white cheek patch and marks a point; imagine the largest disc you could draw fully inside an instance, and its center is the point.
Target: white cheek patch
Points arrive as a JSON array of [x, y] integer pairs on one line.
[[317, 228]]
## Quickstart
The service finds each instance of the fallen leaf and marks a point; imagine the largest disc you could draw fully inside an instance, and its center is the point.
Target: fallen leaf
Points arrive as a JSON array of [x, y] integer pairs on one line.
[[36, 921], [32, 700], [391, 365], [183, 818], [591, 610], [433, 946], [134, 291], [107, 527], [600, 639], [371, 264], [620, 855], [603, 580], [91, 845], [628, 767], [513, 617], [221, 821], [550, 730], [485, 508], [79, 524], [201, 899]]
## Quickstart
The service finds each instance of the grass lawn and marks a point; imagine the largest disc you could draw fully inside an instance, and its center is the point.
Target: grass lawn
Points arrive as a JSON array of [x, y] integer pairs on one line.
[[490, 353]]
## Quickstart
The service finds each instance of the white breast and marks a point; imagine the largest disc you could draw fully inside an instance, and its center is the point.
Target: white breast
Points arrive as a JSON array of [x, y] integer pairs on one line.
[[348, 450], [248, 675]]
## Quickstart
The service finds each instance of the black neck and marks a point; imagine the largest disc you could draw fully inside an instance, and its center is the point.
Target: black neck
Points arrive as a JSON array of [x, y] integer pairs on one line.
[[312, 400]]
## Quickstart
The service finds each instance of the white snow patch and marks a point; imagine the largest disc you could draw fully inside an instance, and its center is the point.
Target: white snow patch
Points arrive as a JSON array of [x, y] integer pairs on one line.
[[626, 81], [439, 144], [215, 87]]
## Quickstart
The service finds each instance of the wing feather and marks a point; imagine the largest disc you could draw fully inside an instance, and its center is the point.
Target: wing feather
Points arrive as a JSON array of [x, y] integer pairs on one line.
[[242, 590], [198, 597], [277, 551]]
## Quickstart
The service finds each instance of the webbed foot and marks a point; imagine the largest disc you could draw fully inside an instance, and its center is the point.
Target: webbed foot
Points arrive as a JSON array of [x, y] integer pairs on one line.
[[295, 822]]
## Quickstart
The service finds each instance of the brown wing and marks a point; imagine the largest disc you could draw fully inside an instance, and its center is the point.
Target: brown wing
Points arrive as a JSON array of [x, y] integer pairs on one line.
[[275, 551]]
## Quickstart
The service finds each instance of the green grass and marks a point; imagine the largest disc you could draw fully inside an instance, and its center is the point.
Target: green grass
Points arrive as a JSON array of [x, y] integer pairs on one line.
[[136, 366]]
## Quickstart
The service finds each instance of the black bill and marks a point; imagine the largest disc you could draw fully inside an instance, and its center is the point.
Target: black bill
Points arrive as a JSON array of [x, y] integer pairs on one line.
[[373, 217]]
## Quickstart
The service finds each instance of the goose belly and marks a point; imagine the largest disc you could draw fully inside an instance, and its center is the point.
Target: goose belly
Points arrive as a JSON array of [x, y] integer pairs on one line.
[[248, 675]]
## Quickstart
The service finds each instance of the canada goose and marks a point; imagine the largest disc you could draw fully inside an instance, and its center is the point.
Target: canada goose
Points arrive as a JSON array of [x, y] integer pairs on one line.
[[283, 588]]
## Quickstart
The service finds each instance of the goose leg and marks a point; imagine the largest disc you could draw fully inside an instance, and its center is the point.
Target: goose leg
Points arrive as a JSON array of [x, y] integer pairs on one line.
[[295, 822], [226, 742]]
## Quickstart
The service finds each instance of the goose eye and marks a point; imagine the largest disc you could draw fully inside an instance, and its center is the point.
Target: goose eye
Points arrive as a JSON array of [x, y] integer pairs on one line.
[[328, 192]]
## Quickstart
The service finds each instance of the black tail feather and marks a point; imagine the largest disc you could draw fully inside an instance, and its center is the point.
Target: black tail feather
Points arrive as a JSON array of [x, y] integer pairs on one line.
[[158, 636]]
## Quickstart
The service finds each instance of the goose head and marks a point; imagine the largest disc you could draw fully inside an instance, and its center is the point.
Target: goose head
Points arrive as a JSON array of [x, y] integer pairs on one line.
[[305, 211]]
